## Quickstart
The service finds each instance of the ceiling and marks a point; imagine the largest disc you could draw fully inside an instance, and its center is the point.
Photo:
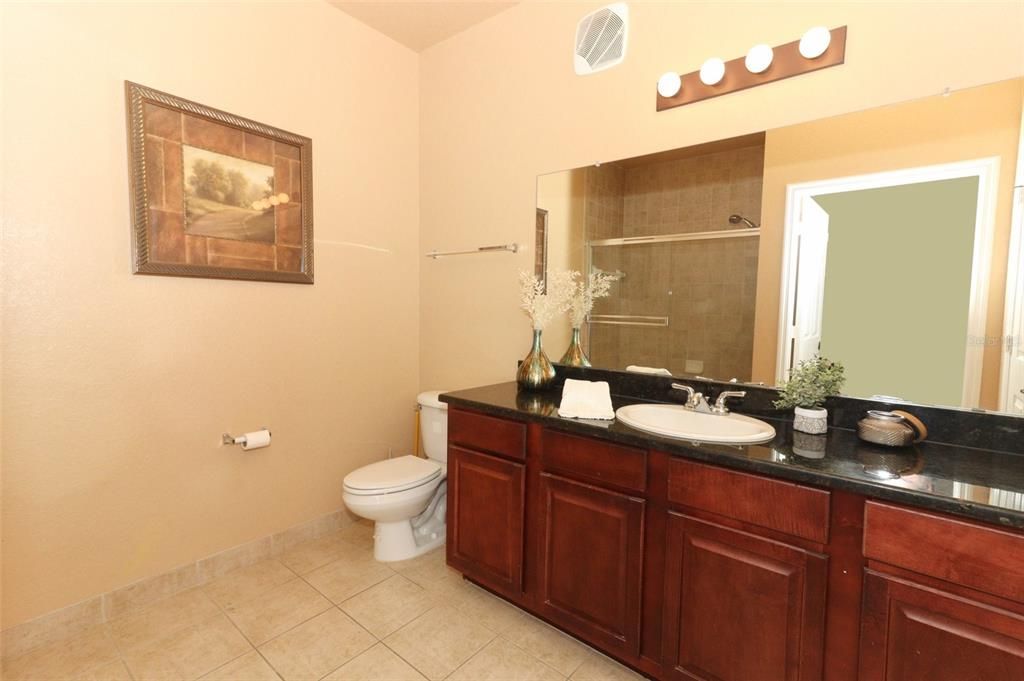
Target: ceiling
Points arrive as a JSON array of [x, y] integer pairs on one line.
[[421, 23]]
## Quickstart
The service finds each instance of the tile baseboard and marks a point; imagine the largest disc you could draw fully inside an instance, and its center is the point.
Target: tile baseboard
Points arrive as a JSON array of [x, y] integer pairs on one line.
[[74, 619]]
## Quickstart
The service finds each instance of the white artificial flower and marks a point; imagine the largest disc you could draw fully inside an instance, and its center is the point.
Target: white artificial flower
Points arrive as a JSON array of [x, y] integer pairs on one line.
[[585, 292], [541, 305]]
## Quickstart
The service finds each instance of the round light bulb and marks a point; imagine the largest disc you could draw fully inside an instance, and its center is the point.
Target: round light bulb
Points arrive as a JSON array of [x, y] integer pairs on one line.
[[257, 205], [274, 200], [669, 84], [712, 71], [283, 198], [759, 58], [815, 42]]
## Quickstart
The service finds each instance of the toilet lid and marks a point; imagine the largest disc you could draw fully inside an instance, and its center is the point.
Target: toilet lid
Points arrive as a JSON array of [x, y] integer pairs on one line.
[[432, 398], [393, 475]]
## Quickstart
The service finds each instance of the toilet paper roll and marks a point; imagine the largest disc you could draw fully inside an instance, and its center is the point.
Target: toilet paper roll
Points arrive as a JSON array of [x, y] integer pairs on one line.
[[256, 439]]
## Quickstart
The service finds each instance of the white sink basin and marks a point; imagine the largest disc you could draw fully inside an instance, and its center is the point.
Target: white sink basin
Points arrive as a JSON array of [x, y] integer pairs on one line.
[[674, 420]]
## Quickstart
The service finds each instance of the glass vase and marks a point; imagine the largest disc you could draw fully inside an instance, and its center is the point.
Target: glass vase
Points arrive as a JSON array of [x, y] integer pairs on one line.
[[536, 371], [574, 355]]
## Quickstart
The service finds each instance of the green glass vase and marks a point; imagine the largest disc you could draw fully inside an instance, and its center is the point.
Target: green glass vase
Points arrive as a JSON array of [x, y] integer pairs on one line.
[[536, 371], [574, 355]]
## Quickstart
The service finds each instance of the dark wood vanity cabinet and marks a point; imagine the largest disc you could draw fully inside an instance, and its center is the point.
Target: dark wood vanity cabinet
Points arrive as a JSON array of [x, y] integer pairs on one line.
[[943, 599], [486, 501], [746, 582], [588, 532], [590, 561], [914, 632], [695, 572], [740, 606]]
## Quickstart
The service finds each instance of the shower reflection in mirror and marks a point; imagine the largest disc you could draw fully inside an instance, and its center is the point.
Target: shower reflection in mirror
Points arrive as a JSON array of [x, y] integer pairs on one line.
[[885, 239]]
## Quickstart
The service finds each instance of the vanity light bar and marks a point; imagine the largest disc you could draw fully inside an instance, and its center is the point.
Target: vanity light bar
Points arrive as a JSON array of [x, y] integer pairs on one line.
[[770, 64]]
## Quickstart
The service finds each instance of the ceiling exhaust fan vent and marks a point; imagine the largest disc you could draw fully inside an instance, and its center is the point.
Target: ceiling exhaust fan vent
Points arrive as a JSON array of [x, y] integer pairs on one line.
[[601, 39]]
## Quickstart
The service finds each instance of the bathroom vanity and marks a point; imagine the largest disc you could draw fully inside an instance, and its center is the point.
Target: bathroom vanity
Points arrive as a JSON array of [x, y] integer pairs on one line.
[[808, 557], [740, 563]]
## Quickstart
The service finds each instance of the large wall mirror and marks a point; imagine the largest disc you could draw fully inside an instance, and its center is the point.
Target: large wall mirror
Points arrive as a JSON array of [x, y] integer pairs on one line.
[[888, 239]]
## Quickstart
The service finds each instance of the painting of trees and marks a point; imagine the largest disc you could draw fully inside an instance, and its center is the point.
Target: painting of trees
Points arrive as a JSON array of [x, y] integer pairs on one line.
[[223, 195]]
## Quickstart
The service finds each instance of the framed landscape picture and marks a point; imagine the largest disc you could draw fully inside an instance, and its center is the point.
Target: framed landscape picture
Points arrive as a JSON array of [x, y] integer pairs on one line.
[[217, 195]]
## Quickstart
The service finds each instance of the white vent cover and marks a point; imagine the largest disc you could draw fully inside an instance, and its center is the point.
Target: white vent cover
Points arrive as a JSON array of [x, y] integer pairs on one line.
[[601, 39]]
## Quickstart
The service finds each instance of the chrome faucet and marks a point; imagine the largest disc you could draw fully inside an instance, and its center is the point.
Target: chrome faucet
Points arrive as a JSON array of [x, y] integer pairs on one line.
[[694, 400], [720, 407]]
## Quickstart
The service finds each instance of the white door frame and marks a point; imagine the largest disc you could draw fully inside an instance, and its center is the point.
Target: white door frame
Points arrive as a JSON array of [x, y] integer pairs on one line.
[[987, 172], [1013, 323]]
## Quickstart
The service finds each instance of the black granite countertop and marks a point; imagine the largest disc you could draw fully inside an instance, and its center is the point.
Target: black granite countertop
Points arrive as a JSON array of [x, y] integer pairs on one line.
[[974, 483]]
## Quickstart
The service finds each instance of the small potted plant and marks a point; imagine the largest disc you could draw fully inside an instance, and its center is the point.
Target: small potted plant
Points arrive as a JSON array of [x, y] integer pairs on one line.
[[809, 385]]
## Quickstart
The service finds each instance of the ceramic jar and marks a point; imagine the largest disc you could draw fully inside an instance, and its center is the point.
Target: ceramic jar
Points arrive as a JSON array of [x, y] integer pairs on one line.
[[813, 421]]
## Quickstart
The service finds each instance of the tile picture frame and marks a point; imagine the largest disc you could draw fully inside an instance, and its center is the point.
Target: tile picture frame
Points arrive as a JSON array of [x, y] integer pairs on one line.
[[540, 262], [216, 195]]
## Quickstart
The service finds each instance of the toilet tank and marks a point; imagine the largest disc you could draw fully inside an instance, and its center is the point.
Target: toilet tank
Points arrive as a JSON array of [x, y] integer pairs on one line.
[[434, 425]]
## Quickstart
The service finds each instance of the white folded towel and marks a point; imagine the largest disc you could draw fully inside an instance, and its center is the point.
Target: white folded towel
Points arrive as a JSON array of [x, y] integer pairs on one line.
[[586, 400], [648, 370]]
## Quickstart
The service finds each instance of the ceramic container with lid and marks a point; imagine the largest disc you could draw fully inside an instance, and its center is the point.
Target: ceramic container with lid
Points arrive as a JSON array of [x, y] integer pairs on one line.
[[891, 428]]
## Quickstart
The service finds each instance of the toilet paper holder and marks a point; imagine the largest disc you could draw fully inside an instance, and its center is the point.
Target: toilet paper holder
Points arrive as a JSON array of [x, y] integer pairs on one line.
[[229, 439]]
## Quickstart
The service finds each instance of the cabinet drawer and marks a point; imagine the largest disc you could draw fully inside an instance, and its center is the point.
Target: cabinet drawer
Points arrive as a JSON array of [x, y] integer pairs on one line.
[[594, 461], [487, 433], [983, 558], [782, 506]]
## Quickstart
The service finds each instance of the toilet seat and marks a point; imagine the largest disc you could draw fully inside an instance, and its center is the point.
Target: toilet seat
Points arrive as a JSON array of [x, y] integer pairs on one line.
[[392, 475]]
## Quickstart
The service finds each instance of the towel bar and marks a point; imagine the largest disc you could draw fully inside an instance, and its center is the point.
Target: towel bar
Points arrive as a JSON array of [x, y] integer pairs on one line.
[[511, 248]]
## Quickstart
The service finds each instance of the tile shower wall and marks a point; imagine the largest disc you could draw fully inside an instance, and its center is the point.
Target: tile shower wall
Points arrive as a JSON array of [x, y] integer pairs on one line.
[[605, 192], [706, 288], [603, 213]]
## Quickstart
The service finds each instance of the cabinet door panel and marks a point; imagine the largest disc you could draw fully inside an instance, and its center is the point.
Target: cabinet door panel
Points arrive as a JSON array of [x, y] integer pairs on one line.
[[739, 607], [915, 633], [485, 519], [591, 561]]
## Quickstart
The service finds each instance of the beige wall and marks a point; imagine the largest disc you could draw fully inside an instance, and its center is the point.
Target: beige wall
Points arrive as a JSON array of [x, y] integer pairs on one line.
[[117, 387], [970, 124], [498, 109], [561, 195]]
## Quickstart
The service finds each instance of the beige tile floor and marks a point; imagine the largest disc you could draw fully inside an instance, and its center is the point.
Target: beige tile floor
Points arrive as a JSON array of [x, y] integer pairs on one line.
[[324, 610]]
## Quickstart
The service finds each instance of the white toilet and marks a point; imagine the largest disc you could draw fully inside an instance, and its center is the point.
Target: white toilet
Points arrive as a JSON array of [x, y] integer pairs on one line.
[[406, 496]]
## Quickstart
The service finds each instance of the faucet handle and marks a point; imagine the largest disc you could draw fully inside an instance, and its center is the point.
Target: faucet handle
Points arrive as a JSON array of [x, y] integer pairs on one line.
[[686, 388], [693, 398], [720, 407]]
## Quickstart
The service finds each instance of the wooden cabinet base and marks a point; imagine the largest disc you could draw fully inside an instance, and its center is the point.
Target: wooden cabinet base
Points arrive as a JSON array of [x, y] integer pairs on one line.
[[915, 633], [689, 571], [485, 519], [738, 606], [590, 562]]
